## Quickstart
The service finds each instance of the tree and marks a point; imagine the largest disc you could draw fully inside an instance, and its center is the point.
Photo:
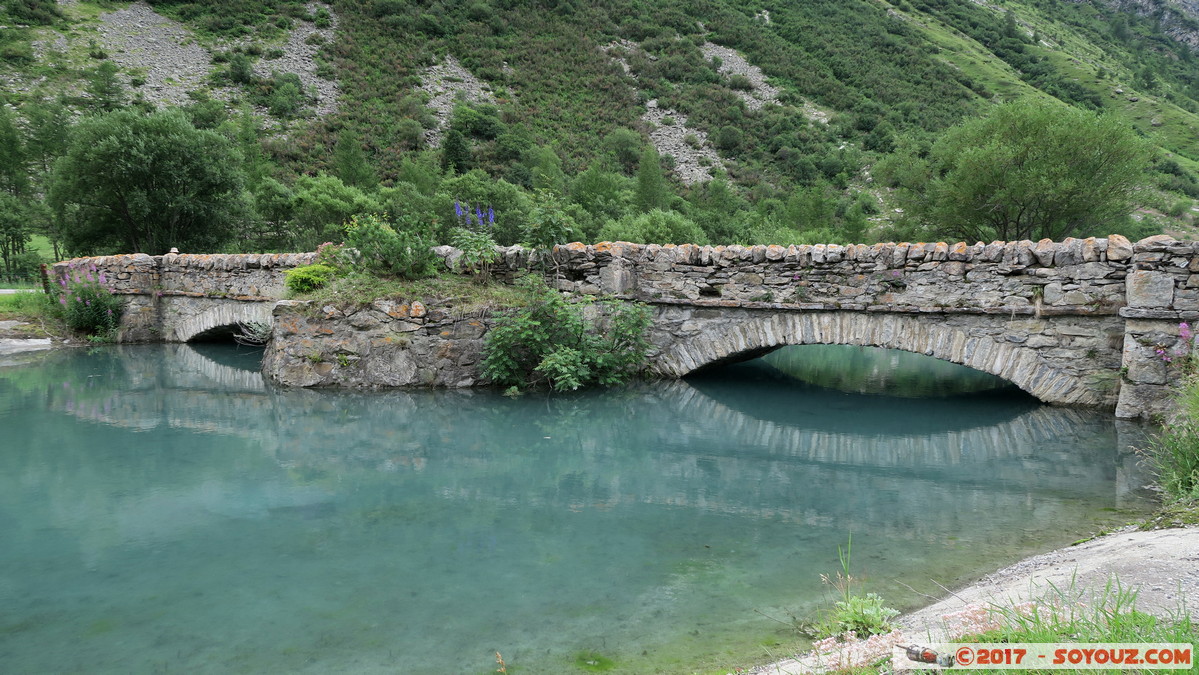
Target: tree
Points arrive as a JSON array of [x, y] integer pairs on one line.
[[105, 88], [652, 192], [146, 183], [624, 145], [321, 206], [350, 163], [1026, 171], [48, 128], [14, 169], [455, 152]]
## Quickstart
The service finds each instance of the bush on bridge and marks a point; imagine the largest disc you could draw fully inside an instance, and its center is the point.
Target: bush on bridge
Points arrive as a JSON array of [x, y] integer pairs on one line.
[[554, 342], [87, 303]]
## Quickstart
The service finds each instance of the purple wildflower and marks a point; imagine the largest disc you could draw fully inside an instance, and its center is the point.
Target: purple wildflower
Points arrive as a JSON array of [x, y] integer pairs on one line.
[[102, 279], [62, 299], [457, 208], [490, 216], [1184, 331], [479, 215]]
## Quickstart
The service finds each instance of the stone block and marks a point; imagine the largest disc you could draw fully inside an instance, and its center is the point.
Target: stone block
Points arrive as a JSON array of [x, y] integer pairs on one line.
[[1144, 401], [1150, 290], [1118, 247], [1045, 251]]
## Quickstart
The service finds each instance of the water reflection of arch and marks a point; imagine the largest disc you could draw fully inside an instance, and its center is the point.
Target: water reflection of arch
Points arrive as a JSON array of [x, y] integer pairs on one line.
[[683, 451], [171, 385], [676, 447], [780, 398]]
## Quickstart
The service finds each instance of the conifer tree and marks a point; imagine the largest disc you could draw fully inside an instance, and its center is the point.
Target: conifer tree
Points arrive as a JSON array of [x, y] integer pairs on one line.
[[652, 192]]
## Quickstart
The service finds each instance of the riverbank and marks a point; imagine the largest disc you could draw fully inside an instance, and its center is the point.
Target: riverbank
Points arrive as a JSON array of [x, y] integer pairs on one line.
[[1160, 566]]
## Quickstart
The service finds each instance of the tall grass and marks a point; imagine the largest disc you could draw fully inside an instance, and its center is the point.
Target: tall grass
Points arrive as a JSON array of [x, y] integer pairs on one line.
[[32, 303]]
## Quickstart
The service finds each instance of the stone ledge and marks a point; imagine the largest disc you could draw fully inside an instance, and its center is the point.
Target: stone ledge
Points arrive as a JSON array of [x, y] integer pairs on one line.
[[1138, 313]]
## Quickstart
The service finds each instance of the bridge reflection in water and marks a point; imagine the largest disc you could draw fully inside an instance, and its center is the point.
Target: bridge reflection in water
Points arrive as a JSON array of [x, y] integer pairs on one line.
[[658, 503], [768, 434]]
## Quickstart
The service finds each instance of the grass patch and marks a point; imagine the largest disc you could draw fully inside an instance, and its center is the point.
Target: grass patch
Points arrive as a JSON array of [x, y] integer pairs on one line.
[[33, 303], [1111, 616], [36, 309], [1066, 615], [593, 661], [1177, 514]]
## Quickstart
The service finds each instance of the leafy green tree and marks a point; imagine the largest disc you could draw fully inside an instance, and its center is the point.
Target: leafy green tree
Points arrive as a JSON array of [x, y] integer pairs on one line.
[[48, 127], [322, 204], [601, 196], [249, 144], [1026, 171], [624, 145], [16, 216], [146, 183], [546, 169], [716, 211]]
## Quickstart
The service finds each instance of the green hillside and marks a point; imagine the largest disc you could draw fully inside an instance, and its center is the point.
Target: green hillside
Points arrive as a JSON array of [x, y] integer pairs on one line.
[[746, 122]]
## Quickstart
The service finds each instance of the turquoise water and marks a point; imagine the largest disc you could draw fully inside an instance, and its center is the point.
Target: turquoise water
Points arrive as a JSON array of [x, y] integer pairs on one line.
[[162, 510]]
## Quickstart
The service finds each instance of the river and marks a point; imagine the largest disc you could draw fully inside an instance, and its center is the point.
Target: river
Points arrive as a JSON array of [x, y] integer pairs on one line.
[[164, 510]]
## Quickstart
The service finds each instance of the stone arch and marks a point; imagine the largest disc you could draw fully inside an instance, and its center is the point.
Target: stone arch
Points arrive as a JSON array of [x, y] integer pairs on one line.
[[218, 314], [710, 337]]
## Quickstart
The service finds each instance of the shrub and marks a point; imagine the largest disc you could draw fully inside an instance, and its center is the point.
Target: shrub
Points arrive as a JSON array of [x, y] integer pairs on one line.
[[406, 253], [478, 250], [308, 278], [88, 304], [740, 82], [553, 342], [655, 227]]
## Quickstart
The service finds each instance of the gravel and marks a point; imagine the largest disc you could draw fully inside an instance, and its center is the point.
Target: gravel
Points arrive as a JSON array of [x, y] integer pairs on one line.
[[733, 63], [446, 83], [138, 38], [299, 57], [168, 56], [671, 139]]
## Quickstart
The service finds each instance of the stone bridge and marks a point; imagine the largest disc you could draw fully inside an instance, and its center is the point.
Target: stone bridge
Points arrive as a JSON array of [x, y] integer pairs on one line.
[[1090, 322], [186, 298]]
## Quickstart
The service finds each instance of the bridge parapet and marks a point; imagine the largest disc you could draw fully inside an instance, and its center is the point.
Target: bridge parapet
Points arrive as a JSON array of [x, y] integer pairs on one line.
[[1076, 276]]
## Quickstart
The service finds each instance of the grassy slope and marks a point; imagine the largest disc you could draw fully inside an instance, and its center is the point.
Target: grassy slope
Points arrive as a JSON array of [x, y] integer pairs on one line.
[[863, 60]]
